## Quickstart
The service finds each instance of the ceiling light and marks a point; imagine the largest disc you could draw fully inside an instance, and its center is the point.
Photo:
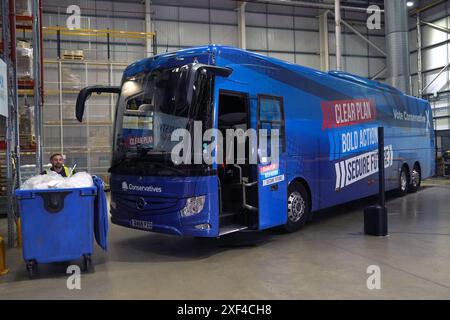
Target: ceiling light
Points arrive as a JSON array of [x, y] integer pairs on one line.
[[410, 4]]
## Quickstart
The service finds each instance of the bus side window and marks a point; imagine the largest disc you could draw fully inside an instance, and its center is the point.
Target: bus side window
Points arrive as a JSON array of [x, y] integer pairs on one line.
[[270, 117]]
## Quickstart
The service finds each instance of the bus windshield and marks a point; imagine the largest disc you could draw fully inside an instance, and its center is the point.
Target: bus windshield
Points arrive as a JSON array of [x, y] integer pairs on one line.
[[151, 106]]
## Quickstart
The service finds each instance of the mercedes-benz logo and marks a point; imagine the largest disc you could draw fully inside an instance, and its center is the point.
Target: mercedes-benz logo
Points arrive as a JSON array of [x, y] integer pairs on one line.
[[140, 203]]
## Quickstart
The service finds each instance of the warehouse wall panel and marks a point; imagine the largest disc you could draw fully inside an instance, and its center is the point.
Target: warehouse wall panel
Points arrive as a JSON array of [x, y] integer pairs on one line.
[[285, 10], [354, 45], [376, 65], [130, 9], [256, 7], [440, 84], [256, 38], [165, 12], [194, 14], [379, 42], [280, 21], [435, 57], [226, 35], [307, 41], [162, 49], [168, 32], [432, 36], [289, 57], [414, 85], [356, 65], [306, 23], [280, 39], [193, 34], [223, 16], [302, 11], [413, 39], [413, 63], [255, 19], [308, 60]]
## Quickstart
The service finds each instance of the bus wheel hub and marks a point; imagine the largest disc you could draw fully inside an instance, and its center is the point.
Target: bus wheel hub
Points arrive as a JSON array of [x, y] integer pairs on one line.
[[296, 206]]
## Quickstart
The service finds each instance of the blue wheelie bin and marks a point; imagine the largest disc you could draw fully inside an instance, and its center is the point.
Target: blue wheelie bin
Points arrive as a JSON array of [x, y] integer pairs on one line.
[[58, 224]]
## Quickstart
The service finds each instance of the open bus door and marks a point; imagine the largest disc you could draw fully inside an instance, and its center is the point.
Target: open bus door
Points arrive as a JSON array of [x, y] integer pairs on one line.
[[272, 182]]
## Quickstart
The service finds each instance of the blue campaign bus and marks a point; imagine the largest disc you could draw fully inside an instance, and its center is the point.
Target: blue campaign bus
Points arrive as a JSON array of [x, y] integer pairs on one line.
[[328, 141]]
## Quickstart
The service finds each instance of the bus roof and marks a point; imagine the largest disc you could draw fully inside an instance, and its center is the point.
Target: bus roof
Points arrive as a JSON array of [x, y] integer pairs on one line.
[[217, 50]]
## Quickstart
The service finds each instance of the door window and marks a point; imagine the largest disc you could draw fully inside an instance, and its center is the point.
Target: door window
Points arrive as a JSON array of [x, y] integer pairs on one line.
[[270, 117]]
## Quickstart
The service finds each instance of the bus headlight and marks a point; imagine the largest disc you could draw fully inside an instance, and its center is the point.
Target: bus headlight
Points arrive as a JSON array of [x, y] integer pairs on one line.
[[193, 206]]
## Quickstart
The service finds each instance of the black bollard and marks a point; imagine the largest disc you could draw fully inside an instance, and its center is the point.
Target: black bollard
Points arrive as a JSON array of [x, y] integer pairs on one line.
[[375, 217]]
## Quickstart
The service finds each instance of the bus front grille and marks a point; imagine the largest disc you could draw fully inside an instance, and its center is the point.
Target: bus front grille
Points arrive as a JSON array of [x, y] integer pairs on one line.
[[150, 205]]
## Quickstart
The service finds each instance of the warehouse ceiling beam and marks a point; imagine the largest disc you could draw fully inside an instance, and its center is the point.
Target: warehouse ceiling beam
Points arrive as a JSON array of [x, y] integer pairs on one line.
[[317, 5], [426, 7]]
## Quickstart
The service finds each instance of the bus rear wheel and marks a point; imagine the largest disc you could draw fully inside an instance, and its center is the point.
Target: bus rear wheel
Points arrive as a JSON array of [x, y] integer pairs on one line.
[[415, 179], [298, 207], [404, 182]]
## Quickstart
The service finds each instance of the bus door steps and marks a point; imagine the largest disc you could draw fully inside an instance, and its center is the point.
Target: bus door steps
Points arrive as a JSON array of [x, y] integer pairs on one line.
[[227, 218], [231, 228]]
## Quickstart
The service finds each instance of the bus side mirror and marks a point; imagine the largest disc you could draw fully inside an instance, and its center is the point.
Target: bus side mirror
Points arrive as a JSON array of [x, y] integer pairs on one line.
[[85, 93], [197, 67], [216, 71]]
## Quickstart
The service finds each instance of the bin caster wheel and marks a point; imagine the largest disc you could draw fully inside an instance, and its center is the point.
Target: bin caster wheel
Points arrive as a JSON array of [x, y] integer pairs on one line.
[[32, 268], [87, 263]]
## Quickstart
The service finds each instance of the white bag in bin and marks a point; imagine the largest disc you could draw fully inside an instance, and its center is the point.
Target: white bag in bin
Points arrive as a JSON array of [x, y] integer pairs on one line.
[[78, 180], [52, 180]]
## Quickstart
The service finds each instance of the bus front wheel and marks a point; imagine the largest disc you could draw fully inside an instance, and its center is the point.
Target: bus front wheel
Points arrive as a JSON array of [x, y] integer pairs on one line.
[[298, 207]]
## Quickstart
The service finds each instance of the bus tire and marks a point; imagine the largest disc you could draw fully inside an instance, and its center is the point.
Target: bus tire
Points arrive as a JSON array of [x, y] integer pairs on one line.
[[298, 207], [403, 178], [416, 178]]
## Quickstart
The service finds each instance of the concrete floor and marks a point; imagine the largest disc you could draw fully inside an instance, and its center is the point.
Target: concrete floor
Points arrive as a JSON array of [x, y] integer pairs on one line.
[[326, 260]]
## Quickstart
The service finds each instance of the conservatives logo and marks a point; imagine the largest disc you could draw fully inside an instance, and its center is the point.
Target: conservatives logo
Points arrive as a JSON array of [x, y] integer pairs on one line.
[[128, 186]]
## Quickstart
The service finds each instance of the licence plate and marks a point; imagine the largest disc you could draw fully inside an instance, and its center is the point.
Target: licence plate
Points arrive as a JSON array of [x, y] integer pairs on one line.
[[148, 225]]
